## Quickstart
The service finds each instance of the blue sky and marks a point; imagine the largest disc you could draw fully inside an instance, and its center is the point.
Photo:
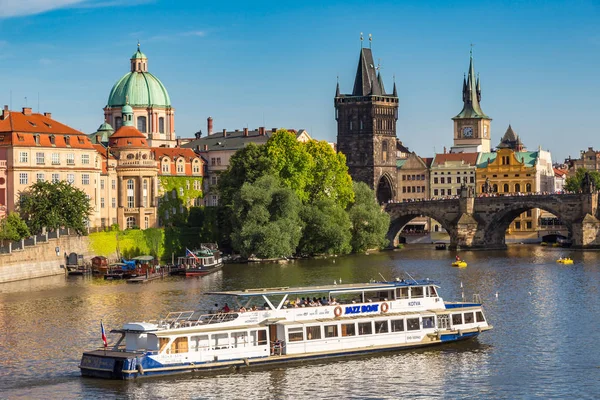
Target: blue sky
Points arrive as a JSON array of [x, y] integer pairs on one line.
[[275, 63]]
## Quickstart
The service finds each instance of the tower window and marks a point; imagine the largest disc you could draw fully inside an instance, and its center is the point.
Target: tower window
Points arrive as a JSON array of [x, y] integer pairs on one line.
[[118, 122], [384, 149], [161, 125], [130, 194], [141, 124]]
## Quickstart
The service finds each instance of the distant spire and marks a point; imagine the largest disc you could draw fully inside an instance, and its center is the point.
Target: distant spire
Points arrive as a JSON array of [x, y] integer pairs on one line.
[[361, 40], [337, 87], [395, 92], [366, 82], [370, 40], [471, 93]]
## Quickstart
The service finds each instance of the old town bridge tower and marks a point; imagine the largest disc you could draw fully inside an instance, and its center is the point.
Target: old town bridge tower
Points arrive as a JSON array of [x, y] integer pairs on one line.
[[366, 133]]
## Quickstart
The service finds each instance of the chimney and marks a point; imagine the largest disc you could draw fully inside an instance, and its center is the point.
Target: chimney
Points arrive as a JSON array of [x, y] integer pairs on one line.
[[224, 132], [261, 130], [205, 147], [273, 130], [5, 112], [48, 115], [245, 131], [444, 149], [209, 124], [26, 110]]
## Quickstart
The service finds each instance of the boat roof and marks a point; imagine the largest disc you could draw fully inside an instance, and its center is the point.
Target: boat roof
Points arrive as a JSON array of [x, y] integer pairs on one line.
[[334, 288]]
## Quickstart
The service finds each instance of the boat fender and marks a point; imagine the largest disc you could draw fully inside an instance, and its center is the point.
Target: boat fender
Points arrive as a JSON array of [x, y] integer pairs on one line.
[[460, 332], [337, 311], [385, 307], [479, 329], [140, 368], [246, 362]]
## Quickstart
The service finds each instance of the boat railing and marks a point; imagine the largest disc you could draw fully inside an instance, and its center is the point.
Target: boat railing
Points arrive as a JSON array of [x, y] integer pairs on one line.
[[186, 319]]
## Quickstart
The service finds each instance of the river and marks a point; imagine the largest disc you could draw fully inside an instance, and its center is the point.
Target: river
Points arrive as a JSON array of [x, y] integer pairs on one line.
[[544, 344]]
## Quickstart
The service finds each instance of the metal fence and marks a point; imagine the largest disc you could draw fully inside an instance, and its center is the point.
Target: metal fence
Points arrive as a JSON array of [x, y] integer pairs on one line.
[[8, 247]]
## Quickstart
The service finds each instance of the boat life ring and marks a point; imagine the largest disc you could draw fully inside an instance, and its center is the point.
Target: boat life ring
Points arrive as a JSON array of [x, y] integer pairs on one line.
[[385, 307], [337, 311]]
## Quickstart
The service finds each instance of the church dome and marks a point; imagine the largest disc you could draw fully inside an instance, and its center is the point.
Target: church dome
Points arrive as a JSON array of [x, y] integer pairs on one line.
[[139, 87]]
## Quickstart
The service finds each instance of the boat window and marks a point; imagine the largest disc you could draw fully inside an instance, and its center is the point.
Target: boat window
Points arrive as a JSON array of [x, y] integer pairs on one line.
[[416, 292], [457, 319], [402, 293], [199, 343], [397, 325], [412, 324], [365, 328], [469, 318], [431, 292], [239, 339], [479, 315], [443, 321], [348, 330], [313, 332], [331, 330], [163, 342], [428, 322], [295, 334], [179, 345], [262, 337], [381, 327], [219, 341]]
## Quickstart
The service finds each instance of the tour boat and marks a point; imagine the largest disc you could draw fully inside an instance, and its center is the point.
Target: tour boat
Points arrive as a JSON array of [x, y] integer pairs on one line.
[[200, 262], [459, 263], [346, 320]]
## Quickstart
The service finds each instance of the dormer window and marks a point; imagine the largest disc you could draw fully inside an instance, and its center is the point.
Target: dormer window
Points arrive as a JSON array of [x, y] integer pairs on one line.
[[37, 139], [31, 123], [52, 140], [68, 140]]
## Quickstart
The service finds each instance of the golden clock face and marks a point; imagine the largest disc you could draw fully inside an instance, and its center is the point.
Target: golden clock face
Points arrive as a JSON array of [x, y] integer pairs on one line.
[[467, 132]]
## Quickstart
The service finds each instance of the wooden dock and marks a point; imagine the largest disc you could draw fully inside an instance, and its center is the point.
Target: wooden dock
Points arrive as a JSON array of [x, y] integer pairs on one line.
[[144, 278]]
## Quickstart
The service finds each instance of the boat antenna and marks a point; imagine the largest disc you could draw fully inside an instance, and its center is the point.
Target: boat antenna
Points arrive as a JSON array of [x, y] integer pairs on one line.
[[383, 277], [411, 277]]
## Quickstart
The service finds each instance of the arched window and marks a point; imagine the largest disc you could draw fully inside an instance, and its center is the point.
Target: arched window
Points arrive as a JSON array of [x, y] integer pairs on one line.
[[517, 188], [436, 228], [384, 151], [130, 221], [141, 124], [180, 166], [161, 125], [495, 188], [528, 188], [166, 167], [196, 166], [130, 194], [505, 188]]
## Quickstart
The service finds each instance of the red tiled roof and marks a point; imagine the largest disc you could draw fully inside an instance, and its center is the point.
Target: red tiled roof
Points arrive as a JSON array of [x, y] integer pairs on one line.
[[19, 129], [427, 161], [127, 132], [127, 136], [173, 152], [559, 172], [469, 158]]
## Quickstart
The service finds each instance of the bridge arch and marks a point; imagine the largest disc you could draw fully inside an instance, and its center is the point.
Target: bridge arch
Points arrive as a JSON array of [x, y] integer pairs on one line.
[[495, 229], [399, 218]]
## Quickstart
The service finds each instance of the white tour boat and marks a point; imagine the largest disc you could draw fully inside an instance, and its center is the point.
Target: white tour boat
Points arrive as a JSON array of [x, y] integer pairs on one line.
[[292, 325]]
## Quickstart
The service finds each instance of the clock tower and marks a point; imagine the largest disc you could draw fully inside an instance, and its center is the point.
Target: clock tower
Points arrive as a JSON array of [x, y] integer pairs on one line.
[[472, 128]]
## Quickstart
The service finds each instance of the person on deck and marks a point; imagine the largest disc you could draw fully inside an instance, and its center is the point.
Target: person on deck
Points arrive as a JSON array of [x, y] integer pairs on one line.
[[226, 308], [457, 258]]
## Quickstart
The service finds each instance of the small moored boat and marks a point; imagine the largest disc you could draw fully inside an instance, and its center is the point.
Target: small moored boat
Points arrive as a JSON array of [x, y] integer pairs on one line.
[[459, 263], [565, 261], [345, 320]]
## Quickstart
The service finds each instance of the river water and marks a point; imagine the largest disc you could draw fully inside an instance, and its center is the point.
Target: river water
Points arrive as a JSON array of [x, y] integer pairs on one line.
[[545, 341]]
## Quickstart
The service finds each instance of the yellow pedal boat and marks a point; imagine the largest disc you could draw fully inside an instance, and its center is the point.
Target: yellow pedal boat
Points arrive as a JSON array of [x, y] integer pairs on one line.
[[564, 261], [460, 264]]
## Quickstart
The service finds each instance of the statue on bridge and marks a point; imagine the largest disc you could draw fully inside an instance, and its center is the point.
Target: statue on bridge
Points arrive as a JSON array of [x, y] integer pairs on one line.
[[487, 187], [588, 185]]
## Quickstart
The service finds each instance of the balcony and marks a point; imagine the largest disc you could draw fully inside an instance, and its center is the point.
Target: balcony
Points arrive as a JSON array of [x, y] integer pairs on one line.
[[138, 163], [134, 210], [2, 164]]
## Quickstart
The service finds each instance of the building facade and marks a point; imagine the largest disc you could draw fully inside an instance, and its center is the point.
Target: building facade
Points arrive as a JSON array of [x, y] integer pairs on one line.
[[450, 171], [153, 114]]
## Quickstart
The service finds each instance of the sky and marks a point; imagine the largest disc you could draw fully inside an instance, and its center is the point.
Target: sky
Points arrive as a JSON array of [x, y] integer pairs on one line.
[[275, 64]]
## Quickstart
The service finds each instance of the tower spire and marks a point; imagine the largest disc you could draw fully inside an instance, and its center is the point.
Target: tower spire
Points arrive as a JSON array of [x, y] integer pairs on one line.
[[337, 87], [471, 92]]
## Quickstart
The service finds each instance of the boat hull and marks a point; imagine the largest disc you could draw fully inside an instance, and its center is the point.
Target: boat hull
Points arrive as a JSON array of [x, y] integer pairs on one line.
[[126, 366]]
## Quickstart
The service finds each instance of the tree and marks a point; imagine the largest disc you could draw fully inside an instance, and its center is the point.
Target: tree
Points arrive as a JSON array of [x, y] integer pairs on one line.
[[326, 229], [54, 205], [369, 222], [13, 228], [574, 183], [330, 177], [265, 219]]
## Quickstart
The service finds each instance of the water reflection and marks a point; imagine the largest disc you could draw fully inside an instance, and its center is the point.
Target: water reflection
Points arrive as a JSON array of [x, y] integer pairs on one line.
[[544, 314]]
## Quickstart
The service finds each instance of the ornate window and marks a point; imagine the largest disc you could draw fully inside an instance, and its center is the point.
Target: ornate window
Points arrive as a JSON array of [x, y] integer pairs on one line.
[[141, 124], [130, 194], [130, 221], [506, 190], [161, 125], [528, 187], [180, 166]]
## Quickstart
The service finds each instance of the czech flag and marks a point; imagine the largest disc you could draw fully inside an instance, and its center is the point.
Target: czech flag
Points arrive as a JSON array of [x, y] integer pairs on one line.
[[190, 253], [103, 334]]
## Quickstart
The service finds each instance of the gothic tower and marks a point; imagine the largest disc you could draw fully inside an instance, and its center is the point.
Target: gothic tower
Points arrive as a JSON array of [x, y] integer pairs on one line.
[[366, 134], [471, 126]]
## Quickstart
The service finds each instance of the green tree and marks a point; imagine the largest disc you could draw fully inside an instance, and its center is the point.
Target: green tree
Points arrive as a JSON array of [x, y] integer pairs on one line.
[[53, 205], [326, 229], [369, 222], [154, 241], [266, 220], [574, 183], [330, 178], [13, 228]]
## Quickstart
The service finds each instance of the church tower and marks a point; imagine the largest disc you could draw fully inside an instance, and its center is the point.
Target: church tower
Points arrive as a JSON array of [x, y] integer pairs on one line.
[[366, 135], [471, 126]]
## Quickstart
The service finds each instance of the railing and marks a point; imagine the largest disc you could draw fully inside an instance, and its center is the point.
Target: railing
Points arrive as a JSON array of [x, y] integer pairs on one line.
[[132, 210]]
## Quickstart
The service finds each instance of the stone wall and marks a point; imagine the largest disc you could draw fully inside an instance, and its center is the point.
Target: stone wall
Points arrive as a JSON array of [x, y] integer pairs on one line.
[[41, 260]]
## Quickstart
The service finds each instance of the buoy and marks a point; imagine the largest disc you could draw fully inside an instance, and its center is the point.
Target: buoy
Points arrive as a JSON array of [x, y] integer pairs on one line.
[[496, 294]]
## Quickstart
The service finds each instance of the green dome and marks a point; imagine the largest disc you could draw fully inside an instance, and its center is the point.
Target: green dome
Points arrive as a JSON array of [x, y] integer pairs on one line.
[[105, 127], [141, 88], [138, 55]]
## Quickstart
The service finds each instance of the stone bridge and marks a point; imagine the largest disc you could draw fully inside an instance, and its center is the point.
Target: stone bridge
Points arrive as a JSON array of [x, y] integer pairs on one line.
[[481, 222]]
